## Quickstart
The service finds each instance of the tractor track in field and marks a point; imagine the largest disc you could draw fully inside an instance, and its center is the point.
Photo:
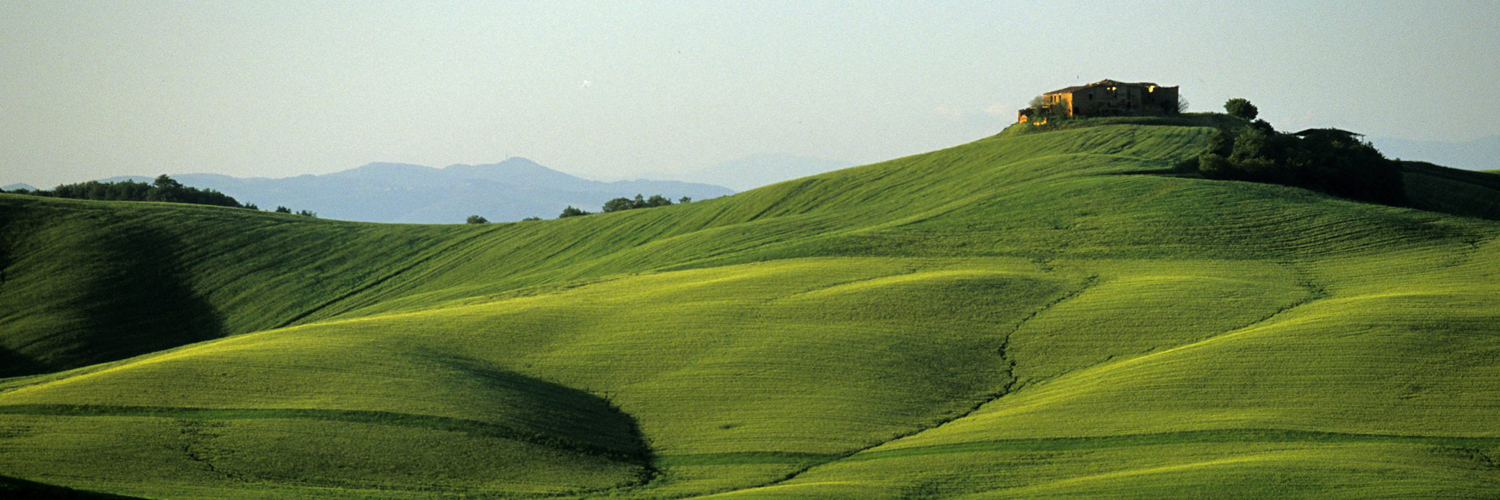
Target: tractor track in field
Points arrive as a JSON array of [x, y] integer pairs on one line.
[[1470, 447], [195, 436], [1314, 292], [377, 281], [1010, 386]]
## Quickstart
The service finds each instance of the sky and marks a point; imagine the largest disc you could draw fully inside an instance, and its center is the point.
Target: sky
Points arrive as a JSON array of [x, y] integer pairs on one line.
[[646, 89]]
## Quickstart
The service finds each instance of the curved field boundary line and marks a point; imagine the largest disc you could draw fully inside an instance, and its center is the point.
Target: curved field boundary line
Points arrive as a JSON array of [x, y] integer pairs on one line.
[[1002, 351], [469, 427], [1181, 437], [1083, 443]]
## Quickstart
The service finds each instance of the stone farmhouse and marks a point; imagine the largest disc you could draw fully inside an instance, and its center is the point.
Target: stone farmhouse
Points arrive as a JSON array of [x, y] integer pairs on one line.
[[1107, 98]]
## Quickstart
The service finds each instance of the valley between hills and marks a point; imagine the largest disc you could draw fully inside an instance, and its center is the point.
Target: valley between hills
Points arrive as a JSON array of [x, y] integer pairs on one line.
[[1037, 314]]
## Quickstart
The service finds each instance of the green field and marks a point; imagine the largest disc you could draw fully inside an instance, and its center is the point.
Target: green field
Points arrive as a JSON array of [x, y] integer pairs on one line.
[[1038, 314]]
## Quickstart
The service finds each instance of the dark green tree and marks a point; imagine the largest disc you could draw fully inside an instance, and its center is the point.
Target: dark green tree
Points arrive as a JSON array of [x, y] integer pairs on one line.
[[618, 204], [1214, 166], [657, 200], [572, 211], [1241, 107], [475, 219]]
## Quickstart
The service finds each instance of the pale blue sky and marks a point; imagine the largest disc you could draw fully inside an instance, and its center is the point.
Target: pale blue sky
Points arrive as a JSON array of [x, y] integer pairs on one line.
[[617, 90]]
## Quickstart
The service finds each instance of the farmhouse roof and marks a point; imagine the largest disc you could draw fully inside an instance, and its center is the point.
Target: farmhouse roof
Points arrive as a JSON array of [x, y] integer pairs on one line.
[[1100, 83], [1327, 131]]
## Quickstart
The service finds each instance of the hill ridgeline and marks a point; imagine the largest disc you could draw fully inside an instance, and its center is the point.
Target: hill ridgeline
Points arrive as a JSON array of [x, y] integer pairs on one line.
[[1039, 314]]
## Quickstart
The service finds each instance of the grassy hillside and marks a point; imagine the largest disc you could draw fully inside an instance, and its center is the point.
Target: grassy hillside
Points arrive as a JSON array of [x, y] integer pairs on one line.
[[1460, 192], [1043, 314]]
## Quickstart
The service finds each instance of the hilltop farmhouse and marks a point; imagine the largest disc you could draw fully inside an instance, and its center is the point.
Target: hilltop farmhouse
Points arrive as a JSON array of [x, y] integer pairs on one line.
[[1105, 98]]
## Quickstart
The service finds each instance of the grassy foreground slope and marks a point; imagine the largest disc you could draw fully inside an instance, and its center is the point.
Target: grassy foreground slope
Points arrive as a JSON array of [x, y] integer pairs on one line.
[[1030, 315]]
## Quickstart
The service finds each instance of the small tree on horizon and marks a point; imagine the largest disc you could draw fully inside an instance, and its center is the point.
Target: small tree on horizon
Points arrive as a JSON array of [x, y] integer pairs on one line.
[[657, 200], [618, 204], [165, 182], [1241, 107], [475, 219]]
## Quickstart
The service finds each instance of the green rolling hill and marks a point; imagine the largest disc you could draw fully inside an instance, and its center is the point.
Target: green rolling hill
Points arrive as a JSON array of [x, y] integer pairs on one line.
[[1050, 314]]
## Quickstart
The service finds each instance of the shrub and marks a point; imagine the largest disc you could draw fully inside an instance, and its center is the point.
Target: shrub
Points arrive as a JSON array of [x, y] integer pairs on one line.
[[1332, 161], [1214, 166], [1221, 143], [618, 204], [1241, 107], [640, 201], [572, 211], [475, 219]]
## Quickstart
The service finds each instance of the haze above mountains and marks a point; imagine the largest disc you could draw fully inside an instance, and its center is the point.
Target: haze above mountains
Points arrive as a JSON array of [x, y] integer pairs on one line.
[[518, 188], [1477, 154], [510, 190]]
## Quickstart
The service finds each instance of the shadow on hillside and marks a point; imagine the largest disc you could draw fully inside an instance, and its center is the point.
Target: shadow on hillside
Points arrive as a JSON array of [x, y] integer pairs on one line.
[[148, 306], [20, 489], [1429, 187], [576, 419], [12, 362], [120, 294], [1452, 191]]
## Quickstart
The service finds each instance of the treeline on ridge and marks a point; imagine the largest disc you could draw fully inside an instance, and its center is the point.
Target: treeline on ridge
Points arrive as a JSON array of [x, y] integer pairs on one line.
[[163, 189], [1332, 161], [622, 203]]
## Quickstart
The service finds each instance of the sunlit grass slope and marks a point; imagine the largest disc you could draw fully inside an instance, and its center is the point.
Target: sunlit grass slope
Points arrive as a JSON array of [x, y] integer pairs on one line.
[[1033, 315]]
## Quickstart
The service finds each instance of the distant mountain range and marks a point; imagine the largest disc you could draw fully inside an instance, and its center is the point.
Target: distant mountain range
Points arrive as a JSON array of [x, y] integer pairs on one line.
[[394, 192], [762, 169], [1478, 154]]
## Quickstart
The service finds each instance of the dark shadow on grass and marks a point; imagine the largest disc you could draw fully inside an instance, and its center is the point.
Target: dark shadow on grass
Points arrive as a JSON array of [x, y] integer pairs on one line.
[[133, 298], [12, 362], [148, 306], [15, 363], [20, 489], [1452, 191]]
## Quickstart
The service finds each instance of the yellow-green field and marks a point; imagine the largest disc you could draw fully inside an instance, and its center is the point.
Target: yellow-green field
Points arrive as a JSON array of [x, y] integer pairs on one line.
[[1033, 315]]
